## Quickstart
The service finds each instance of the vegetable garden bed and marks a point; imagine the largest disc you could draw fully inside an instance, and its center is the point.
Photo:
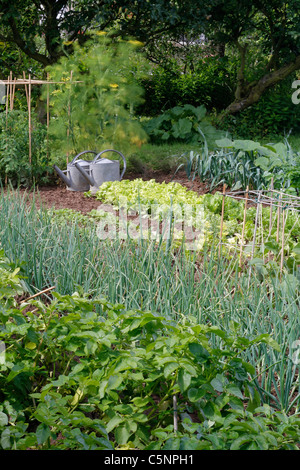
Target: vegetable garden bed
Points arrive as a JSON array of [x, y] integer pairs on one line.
[[137, 345]]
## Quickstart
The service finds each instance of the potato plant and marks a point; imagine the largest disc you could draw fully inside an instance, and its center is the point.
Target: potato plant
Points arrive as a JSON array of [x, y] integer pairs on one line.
[[87, 374]]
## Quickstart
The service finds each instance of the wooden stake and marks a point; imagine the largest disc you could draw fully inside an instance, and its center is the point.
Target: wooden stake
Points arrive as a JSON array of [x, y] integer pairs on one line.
[[69, 115], [282, 241], [6, 117], [26, 91], [278, 217], [271, 213], [222, 218], [29, 116], [243, 230], [7, 102], [48, 115], [13, 93], [10, 89], [254, 234], [38, 293]]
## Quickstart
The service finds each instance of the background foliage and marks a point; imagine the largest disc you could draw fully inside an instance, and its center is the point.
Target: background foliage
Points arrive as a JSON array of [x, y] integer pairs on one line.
[[14, 149]]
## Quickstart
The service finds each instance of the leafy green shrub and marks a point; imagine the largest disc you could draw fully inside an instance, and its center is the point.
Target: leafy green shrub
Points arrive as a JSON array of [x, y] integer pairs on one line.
[[14, 149], [210, 84], [181, 124]]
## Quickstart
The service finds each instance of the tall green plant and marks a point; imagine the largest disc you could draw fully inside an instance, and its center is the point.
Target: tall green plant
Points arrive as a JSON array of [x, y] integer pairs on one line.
[[93, 104]]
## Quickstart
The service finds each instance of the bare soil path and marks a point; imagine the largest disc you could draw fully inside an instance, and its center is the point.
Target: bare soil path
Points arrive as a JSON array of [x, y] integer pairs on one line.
[[59, 197]]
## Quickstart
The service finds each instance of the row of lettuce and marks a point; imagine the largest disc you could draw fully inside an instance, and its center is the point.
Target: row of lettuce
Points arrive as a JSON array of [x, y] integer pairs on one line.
[[164, 211]]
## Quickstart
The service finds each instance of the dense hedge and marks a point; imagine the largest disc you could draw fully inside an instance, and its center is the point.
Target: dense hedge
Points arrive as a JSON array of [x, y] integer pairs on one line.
[[211, 85]]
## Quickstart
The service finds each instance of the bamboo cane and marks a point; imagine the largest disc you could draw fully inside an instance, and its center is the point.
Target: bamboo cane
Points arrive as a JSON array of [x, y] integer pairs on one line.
[[29, 116], [254, 234], [6, 117], [243, 229], [13, 93], [271, 214], [7, 102], [69, 116], [222, 219], [48, 115], [10, 89], [38, 293], [278, 218], [282, 241], [26, 91]]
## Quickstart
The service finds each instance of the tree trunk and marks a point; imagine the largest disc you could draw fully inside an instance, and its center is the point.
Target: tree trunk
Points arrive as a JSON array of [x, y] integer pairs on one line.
[[255, 91]]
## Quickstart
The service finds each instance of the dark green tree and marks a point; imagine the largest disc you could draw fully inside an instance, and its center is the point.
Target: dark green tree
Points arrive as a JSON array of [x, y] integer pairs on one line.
[[46, 30], [265, 34], [266, 37]]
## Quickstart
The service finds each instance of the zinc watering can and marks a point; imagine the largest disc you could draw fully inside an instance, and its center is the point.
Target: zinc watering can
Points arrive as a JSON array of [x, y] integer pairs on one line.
[[73, 178], [101, 170]]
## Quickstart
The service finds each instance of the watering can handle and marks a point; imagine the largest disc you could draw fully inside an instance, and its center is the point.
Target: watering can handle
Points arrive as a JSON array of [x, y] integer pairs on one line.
[[81, 153], [112, 150]]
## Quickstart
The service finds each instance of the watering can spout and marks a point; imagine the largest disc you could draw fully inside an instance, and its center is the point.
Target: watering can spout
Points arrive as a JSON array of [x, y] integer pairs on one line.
[[88, 177], [63, 176]]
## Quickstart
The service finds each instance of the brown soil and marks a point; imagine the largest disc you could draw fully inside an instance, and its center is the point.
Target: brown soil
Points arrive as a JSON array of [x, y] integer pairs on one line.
[[59, 197]]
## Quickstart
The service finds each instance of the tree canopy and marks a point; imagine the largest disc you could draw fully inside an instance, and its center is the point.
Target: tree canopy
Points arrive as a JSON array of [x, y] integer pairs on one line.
[[45, 30], [264, 34]]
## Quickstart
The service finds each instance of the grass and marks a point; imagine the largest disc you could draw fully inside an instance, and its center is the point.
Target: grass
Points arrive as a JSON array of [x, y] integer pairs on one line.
[[294, 140], [176, 285], [157, 157]]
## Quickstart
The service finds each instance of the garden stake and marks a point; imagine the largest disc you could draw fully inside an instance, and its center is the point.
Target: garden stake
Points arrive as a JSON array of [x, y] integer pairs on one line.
[[10, 89], [271, 213], [262, 231], [69, 114], [48, 116], [278, 217], [282, 241], [243, 230], [13, 87], [7, 100], [26, 91], [254, 234], [29, 116], [38, 293], [222, 217]]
